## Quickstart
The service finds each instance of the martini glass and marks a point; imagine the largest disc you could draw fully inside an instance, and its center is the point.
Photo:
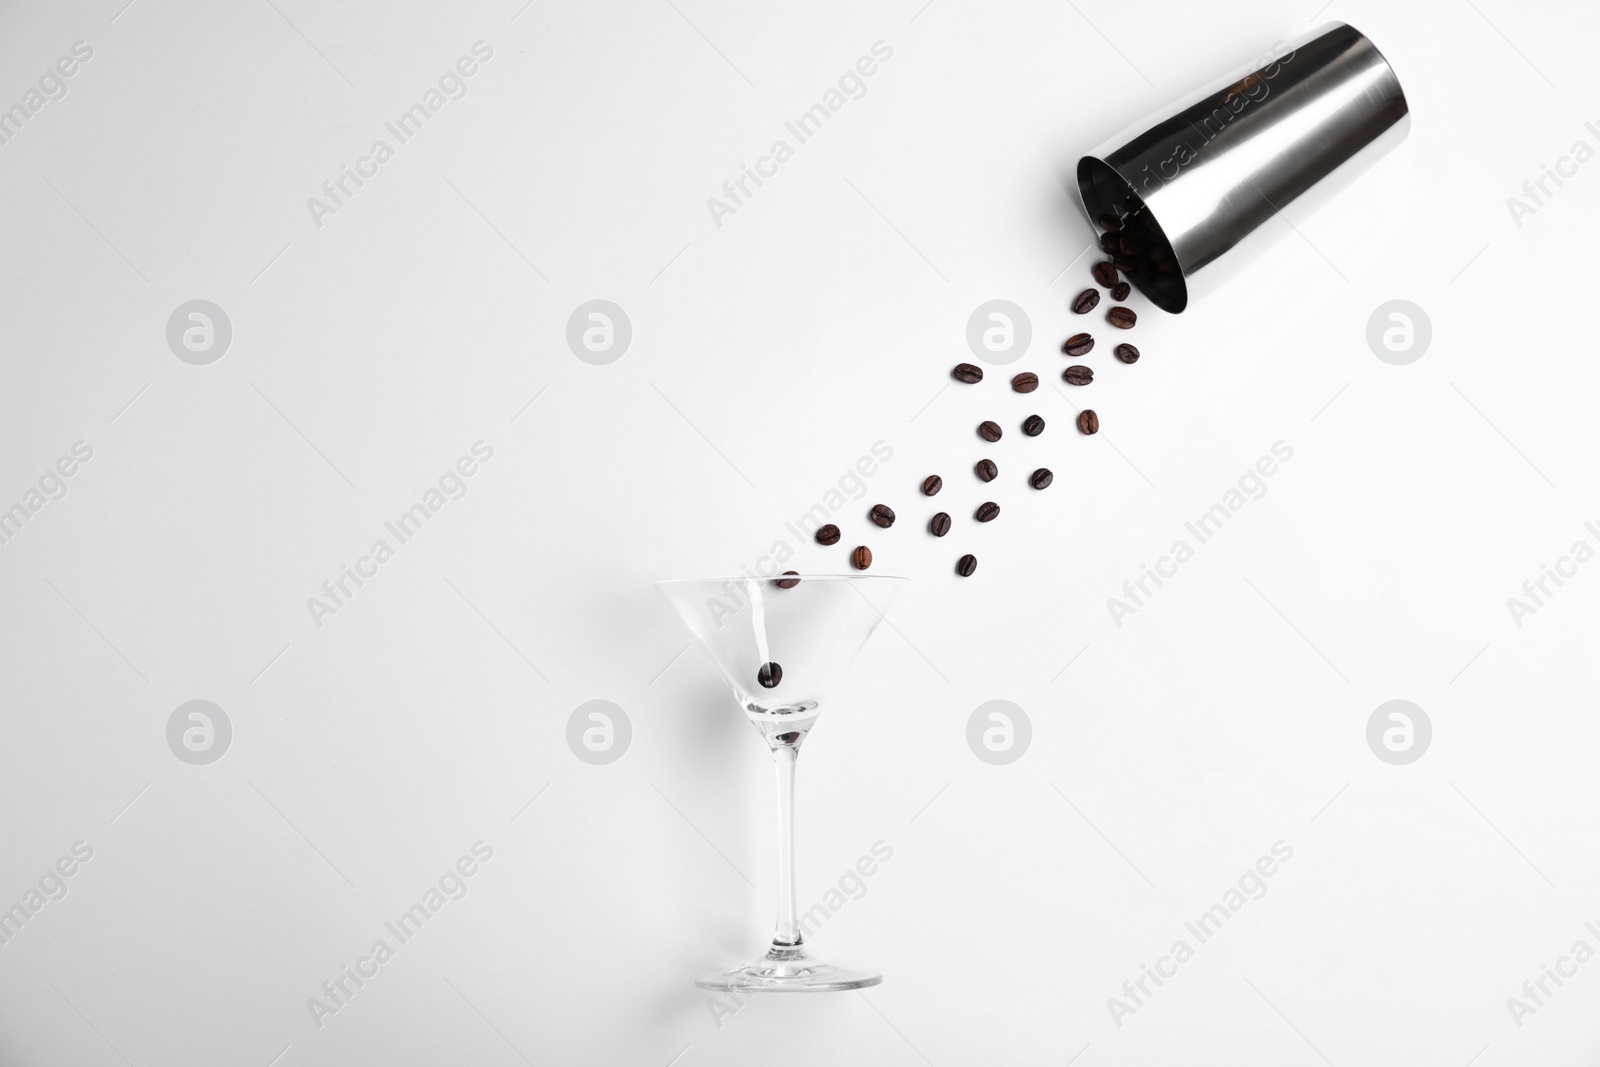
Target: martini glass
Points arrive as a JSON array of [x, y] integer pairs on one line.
[[780, 643]]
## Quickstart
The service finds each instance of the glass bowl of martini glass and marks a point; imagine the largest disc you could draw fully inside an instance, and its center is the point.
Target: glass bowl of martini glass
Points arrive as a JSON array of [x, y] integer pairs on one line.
[[780, 644]]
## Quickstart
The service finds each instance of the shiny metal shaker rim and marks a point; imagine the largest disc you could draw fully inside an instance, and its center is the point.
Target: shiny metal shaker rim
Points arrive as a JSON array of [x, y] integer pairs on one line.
[[1201, 176]]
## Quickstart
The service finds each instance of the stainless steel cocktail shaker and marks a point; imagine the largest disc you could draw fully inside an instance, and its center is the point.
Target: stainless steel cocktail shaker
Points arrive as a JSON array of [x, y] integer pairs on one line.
[[1197, 179]]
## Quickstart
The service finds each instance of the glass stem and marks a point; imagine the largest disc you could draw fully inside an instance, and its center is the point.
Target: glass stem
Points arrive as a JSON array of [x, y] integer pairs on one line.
[[787, 933]]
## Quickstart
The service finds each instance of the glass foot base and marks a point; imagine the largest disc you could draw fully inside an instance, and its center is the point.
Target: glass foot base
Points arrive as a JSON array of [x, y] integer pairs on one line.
[[788, 970]]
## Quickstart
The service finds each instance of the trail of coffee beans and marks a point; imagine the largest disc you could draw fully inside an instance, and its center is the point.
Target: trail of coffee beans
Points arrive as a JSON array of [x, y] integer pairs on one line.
[[1133, 249]]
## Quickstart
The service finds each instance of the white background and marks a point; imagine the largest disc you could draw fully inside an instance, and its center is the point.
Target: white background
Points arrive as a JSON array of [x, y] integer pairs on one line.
[[768, 354]]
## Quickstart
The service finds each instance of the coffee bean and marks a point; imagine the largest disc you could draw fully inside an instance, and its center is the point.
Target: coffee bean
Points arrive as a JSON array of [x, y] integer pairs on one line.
[[786, 582], [1133, 242], [1125, 262], [1121, 290], [1026, 382], [1127, 353], [1109, 223], [1109, 242], [989, 431], [1086, 301], [882, 514], [931, 485], [769, 675], [861, 558], [966, 372], [1122, 318], [828, 535], [987, 511], [1078, 374], [1079, 344], [939, 525], [1033, 426], [1088, 421], [966, 565], [1041, 478], [1105, 274], [986, 470]]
